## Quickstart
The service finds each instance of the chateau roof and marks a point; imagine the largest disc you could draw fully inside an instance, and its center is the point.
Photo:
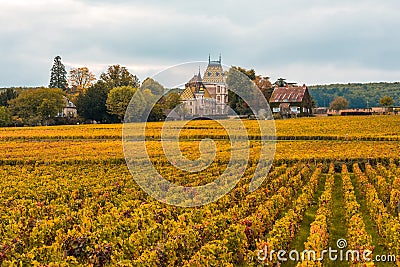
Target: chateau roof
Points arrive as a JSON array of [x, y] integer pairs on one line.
[[196, 78], [214, 63], [187, 94], [194, 86], [214, 72]]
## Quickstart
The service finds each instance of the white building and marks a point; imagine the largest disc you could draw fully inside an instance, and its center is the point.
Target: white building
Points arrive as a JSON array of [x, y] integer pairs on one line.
[[69, 109]]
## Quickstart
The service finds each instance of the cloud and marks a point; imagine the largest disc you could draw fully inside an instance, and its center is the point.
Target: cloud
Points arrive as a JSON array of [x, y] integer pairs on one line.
[[285, 36]]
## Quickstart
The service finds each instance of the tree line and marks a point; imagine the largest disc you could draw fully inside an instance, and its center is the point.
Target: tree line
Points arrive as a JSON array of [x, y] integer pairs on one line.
[[102, 100], [105, 99], [358, 95]]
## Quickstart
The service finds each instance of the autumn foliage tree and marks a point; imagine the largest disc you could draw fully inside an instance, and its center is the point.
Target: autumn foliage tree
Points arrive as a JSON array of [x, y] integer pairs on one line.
[[265, 86], [80, 79]]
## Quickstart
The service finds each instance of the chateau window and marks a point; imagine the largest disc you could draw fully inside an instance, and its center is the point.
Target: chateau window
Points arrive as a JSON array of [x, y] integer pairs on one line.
[[218, 98], [217, 74], [209, 74], [218, 89]]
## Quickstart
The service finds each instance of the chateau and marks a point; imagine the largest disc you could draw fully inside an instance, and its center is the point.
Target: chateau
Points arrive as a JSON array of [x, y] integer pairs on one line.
[[207, 96]]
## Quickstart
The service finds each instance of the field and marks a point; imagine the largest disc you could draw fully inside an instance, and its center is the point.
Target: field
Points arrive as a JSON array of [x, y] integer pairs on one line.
[[68, 199]]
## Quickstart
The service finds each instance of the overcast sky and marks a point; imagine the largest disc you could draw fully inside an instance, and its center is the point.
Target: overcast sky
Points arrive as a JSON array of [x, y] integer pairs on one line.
[[305, 41]]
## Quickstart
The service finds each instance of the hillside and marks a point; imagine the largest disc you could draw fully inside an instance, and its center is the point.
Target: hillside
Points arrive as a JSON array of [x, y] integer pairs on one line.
[[360, 95]]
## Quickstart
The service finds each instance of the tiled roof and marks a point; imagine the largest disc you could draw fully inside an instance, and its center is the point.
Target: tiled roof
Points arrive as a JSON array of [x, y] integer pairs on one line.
[[206, 93], [195, 85], [288, 94], [196, 78], [214, 73], [187, 94]]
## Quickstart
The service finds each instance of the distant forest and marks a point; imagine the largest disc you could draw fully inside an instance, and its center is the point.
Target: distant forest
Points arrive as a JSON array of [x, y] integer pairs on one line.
[[359, 95]]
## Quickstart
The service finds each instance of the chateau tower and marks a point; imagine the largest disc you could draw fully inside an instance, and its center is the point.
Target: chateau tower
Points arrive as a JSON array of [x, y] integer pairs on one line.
[[214, 72], [207, 95]]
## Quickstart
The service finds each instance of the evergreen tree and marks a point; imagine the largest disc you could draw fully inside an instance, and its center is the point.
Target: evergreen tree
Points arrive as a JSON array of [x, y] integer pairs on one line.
[[58, 77]]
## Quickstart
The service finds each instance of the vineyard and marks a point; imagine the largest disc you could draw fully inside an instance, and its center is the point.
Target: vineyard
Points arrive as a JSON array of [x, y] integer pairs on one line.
[[68, 199]]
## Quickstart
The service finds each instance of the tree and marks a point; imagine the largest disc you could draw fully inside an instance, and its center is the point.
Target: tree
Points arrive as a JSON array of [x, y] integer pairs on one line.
[[339, 103], [91, 105], [6, 96], [281, 82], [238, 80], [118, 100], [264, 85], [155, 87], [58, 78], [157, 113], [5, 117], [35, 106], [149, 101], [359, 95], [172, 100], [117, 76], [386, 101], [249, 73], [80, 79], [313, 102]]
